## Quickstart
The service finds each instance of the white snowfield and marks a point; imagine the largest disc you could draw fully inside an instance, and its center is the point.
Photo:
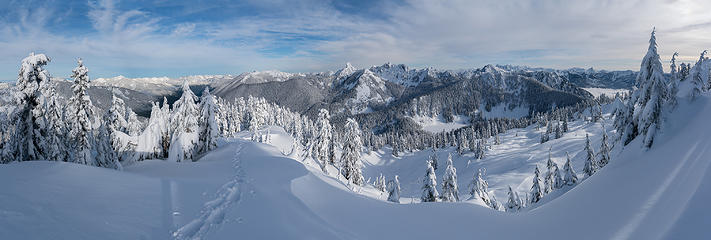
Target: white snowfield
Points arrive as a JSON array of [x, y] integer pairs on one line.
[[247, 190], [609, 92]]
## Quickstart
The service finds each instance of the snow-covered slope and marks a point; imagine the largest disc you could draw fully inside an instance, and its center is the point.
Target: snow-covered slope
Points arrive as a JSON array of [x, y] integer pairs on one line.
[[251, 190]]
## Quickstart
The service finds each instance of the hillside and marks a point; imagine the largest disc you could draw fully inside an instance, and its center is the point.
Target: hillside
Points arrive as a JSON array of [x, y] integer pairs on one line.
[[251, 190]]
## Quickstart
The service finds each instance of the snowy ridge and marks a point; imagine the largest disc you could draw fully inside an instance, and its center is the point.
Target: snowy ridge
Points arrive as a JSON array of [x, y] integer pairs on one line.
[[157, 85]]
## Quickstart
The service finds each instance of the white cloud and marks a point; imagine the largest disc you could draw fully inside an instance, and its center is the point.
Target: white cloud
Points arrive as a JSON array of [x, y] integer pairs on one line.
[[447, 34]]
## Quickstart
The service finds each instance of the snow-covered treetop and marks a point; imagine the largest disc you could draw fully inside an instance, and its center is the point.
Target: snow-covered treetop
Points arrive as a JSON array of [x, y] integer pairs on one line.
[[33, 63], [32, 76], [651, 66], [80, 73]]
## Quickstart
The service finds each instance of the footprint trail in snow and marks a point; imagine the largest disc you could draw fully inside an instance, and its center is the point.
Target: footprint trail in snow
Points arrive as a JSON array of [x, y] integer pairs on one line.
[[213, 212]]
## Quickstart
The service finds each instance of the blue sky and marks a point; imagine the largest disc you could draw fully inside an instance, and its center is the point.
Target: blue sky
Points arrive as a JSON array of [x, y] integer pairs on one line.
[[176, 38]]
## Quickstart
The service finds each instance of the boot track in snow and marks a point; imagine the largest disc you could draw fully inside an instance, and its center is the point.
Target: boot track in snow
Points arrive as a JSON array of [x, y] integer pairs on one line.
[[213, 213]]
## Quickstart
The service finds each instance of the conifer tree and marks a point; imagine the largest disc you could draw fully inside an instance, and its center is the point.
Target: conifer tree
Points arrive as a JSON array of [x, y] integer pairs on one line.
[[553, 178], [591, 165], [30, 132], [674, 81], [450, 189], [57, 149], [394, 190], [569, 176], [604, 150], [323, 141], [80, 117], [208, 122], [429, 187], [480, 189], [185, 127], [537, 188], [117, 115], [696, 74], [514, 203], [380, 183], [134, 125], [351, 159], [642, 114]]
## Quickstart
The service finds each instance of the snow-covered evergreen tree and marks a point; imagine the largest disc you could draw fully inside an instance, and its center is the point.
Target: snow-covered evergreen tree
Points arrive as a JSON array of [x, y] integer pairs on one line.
[[604, 150], [105, 154], [537, 188], [674, 81], [57, 149], [591, 165], [323, 141], [28, 118], [479, 189], [350, 158], [208, 122], [429, 185], [117, 115], [514, 203], [450, 189], [643, 112], [80, 117], [394, 190], [698, 79], [481, 149], [134, 127], [380, 183], [185, 127], [569, 175], [553, 179]]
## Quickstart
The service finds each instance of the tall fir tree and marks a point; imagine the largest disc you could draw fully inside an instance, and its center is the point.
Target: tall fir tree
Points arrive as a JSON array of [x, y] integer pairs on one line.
[[57, 149], [323, 140], [591, 165], [28, 117], [643, 113], [80, 117], [350, 158], [450, 189], [185, 137], [209, 131], [604, 150], [537, 188], [429, 185], [553, 179], [696, 73], [569, 175]]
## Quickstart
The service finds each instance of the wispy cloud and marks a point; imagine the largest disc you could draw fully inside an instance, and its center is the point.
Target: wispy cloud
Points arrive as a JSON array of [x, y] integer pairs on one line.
[[176, 38]]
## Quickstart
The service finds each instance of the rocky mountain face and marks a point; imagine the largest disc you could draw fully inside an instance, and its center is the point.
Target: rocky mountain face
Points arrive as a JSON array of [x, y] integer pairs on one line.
[[386, 95]]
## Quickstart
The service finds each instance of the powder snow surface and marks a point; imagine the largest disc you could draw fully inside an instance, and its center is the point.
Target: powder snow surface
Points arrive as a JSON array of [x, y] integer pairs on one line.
[[247, 190]]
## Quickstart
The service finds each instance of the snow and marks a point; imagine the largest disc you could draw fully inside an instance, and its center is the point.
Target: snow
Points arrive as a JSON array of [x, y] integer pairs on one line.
[[251, 190], [438, 124], [609, 92], [157, 85]]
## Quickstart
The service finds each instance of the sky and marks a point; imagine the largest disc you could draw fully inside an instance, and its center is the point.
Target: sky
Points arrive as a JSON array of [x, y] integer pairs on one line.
[[178, 37]]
